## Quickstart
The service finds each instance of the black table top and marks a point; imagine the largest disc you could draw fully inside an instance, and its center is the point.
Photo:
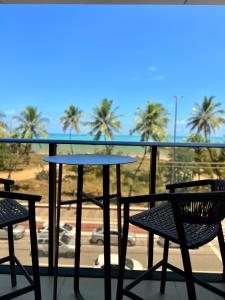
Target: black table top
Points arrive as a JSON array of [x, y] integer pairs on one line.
[[89, 159]]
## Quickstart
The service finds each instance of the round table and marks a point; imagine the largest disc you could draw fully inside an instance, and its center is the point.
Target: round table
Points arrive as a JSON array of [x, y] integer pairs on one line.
[[82, 160]]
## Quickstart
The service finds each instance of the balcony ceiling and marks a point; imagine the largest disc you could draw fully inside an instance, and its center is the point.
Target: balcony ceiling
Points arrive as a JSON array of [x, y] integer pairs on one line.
[[210, 2]]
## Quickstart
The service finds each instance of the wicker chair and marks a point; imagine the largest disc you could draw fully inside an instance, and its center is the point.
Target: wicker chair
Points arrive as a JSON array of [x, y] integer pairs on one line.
[[12, 212], [189, 219]]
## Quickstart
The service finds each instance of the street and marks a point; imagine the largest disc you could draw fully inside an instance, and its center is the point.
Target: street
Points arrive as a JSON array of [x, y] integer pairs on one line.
[[89, 253]]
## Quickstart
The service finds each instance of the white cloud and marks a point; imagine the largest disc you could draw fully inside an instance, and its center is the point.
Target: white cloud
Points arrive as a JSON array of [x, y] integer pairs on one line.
[[134, 78], [152, 69]]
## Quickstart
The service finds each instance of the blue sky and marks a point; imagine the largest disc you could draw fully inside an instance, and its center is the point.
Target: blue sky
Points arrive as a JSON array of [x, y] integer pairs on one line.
[[52, 56]]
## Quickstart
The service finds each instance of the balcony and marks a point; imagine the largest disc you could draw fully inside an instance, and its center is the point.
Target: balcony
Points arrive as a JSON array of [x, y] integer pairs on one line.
[[146, 249], [95, 290]]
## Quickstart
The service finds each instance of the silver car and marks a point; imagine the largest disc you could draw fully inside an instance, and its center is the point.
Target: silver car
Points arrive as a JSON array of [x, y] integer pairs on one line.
[[98, 237], [43, 231], [66, 246], [18, 232]]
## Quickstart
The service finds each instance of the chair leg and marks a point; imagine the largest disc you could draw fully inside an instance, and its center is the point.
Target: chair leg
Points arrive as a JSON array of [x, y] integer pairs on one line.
[[222, 249], [34, 252], [122, 254], [164, 266], [11, 254], [188, 272], [76, 280]]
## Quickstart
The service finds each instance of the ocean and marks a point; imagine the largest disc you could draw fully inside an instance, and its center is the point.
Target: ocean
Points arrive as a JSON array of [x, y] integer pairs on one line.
[[43, 148], [121, 138]]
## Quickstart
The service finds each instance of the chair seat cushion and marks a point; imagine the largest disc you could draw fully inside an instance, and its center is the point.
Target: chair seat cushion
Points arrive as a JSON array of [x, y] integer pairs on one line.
[[12, 212], [160, 220]]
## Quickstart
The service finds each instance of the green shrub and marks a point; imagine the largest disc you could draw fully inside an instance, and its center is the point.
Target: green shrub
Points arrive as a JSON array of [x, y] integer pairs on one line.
[[42, 175]]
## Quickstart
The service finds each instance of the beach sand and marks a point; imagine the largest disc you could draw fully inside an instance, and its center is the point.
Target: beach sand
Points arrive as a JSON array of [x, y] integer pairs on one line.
[[25, 174]]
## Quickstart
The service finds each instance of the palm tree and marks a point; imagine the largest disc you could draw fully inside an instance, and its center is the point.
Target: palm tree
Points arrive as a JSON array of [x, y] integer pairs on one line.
[[151, 123], [15, 153], [3, 125], [200, 154], [104, 122], [71, 120], [206, 118], [31, 125]]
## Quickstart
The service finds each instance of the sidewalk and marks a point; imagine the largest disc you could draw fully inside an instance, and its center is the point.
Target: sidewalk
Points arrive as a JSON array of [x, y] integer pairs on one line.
[[92, 217]]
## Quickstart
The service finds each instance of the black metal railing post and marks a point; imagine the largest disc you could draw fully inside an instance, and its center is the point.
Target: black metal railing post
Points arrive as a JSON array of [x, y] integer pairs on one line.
[[51, 211], [152, 189]]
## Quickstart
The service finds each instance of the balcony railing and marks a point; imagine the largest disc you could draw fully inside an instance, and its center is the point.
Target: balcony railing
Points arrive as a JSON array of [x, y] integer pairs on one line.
[[53, 147]]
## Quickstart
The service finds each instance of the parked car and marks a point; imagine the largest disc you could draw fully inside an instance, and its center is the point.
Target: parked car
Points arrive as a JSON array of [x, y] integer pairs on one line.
[[64, 228], [98, 237], [66, 248], [130, 263], [18, 232], [69, 228]]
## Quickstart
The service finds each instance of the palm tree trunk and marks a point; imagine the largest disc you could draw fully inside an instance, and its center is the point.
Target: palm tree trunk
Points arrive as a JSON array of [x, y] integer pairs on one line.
[[216, 170], [138, 169], [71, 146]]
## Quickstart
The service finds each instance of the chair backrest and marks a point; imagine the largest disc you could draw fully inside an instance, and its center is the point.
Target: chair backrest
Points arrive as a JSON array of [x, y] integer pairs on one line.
[[6, 183], [199, 208], [217, 185]]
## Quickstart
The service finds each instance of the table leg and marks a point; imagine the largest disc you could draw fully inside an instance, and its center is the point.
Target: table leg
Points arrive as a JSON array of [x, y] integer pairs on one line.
[[78, 233], [106, 224], [119, 216], [57, 232], [52, 209]]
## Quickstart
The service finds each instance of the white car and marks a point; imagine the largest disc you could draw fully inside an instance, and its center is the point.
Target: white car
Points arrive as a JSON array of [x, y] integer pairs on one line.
[[18, 232], [130, 263], [97, 237], [64, 228], [66, 246]]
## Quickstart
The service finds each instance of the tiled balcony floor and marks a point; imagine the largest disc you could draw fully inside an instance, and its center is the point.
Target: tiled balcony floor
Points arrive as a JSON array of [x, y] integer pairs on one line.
[[92, 288]]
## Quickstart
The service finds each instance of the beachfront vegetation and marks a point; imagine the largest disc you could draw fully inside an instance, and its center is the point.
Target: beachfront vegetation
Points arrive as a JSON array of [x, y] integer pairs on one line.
[[205, 119], [3, 126], [31, 124], [104, 122], [71, 119], [200, 156], [150, 123]]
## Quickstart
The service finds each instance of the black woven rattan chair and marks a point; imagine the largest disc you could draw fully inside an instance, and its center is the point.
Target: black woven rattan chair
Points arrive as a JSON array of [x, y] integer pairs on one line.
[[12, 212], [189, 219]]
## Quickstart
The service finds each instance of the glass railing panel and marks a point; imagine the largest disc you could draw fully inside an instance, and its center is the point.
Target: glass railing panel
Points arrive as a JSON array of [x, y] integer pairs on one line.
[[92, 215], [191, 164], [30, 174]]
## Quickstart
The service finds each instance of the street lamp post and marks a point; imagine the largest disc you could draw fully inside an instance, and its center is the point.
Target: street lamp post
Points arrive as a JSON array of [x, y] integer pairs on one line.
[[175, 135]]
